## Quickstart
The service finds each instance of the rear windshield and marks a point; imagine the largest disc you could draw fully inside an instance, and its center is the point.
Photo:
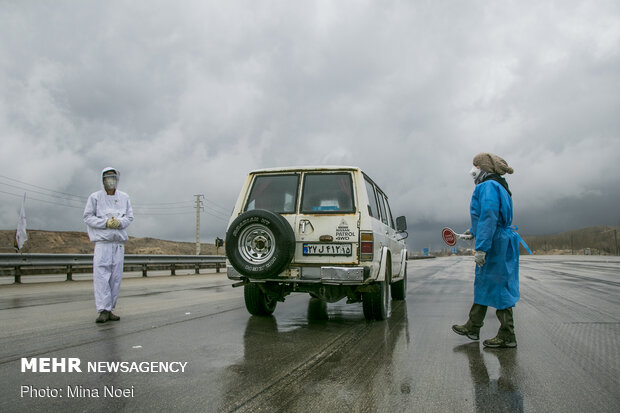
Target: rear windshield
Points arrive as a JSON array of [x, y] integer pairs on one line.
[[277, 193], [327, 193]]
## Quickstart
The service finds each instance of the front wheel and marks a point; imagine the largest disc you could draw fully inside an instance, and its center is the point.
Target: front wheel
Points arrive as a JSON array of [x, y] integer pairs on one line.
[[376, 304], [257, 302], [399, 288]]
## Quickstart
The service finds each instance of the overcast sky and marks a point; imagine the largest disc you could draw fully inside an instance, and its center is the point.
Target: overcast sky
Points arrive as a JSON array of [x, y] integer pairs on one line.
[[186, 97]]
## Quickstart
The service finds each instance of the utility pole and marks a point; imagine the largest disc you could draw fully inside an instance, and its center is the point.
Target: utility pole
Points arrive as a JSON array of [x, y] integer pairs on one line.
[[199, 208]]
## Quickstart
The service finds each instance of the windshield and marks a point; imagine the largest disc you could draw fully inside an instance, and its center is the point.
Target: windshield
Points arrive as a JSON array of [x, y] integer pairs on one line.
[[276, 193], [325, 193]]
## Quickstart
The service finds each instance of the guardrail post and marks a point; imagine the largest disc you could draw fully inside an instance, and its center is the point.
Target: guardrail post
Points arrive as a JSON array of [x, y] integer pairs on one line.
[[197, 268], [144, 270], [173, 269], [18, 275], [69, 273]]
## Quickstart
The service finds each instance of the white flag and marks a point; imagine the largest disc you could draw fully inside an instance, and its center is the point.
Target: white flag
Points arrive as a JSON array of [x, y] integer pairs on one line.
[[20, 234]]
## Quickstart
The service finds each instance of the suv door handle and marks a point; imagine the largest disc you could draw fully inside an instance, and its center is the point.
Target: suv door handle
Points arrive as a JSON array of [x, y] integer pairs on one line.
[[303, 224]]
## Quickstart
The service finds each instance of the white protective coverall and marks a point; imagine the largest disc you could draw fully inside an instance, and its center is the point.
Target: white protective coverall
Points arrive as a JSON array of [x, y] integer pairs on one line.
[[109, 243]]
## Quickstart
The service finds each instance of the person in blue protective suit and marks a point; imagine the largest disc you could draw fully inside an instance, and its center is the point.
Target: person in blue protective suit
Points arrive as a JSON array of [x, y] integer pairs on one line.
[[107, 214], [496, 251]]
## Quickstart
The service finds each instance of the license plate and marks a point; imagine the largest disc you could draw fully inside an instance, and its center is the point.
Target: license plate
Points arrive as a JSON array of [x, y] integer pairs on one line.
[[327, 249]]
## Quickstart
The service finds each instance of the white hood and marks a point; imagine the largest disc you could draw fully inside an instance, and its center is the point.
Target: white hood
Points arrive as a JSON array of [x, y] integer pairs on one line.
[[118, 175]]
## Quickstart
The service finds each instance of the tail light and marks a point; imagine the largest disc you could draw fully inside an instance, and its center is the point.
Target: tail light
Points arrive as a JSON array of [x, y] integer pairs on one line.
[[367, 245]]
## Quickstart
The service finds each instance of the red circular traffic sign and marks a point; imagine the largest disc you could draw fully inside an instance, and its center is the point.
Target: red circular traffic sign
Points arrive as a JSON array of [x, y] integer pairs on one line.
[[449, 237]]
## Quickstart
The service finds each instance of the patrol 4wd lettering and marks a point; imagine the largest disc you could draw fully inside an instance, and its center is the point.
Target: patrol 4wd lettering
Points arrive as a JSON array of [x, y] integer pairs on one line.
[[343, 233]]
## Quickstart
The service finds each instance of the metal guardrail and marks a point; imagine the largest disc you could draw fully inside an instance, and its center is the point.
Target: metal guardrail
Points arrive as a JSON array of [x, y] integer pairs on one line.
[[44, 262]]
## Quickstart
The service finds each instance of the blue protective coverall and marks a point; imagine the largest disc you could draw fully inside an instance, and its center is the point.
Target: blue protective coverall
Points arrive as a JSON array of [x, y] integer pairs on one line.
[[497, 281]]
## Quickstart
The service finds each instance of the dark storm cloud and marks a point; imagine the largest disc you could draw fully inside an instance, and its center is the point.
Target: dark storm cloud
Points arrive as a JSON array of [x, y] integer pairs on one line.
[[187, 98]]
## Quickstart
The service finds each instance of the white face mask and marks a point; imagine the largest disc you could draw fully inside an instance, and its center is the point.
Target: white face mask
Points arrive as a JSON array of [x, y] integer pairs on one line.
[[109, 182], [475, 172]]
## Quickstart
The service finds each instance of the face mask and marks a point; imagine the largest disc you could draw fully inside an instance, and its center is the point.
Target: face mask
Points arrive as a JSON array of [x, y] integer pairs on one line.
[[475, 172], [109, 182]]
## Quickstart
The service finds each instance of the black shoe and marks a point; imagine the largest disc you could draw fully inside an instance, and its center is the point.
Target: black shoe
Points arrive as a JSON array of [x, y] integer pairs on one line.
[[112, 316], [463, 331], [103, 317], [497, 342]]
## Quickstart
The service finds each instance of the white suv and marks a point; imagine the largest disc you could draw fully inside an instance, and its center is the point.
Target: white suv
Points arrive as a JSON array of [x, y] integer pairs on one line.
[[326, 231]]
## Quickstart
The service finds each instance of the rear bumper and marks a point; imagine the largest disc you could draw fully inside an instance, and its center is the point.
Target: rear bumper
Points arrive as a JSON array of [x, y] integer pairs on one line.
[[312, 275]]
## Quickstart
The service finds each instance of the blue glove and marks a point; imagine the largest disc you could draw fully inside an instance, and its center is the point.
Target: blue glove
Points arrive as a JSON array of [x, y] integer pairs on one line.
[[479, 257]]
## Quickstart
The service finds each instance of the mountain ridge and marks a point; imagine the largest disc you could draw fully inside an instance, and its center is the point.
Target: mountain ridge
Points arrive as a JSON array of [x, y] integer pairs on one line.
[[76, 242]]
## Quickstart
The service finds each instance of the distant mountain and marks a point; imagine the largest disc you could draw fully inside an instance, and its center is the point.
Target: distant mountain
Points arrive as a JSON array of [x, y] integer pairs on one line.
[[597, 240], [73, 242], [600, 240]]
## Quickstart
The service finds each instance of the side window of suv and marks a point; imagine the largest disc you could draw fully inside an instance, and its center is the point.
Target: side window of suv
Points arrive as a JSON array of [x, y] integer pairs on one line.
[[389, 212], [327, 192], [276, 193], [384, 218], [373, 208]]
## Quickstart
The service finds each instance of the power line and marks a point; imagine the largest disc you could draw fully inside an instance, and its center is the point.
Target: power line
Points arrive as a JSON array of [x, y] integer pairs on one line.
[[175, 208], [29, 198], [42, 200], [215, 211], [40, 187], [65, 195], [39, 192], [162, 213], [217, 206], [171, 203], [218, 217], [148, 207], [186, 204]]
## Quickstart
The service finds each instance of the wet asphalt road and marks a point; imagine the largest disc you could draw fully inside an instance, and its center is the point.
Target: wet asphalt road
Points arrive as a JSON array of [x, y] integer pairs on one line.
[[311, 357]]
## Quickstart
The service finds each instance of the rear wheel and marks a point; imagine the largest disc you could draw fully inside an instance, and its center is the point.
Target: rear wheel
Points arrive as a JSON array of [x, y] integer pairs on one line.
[[376, 303], [399, 288], [257, 302]]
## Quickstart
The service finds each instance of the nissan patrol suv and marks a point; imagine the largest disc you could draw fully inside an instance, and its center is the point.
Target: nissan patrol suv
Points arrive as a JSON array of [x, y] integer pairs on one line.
[[326, 231]]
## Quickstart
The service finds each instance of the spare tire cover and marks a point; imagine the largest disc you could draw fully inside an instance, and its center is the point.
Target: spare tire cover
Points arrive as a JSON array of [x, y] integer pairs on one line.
[[260, 243]]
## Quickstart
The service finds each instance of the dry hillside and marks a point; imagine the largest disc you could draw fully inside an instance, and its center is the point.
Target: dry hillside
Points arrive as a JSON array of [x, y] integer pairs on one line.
[[73, 242], [600, 240]]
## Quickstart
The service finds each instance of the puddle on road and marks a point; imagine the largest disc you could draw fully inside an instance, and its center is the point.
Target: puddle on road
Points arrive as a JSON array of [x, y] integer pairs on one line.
[[321, 314]]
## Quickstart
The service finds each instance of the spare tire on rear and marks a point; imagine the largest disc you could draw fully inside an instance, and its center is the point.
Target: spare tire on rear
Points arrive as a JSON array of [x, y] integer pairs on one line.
[[260, 243]]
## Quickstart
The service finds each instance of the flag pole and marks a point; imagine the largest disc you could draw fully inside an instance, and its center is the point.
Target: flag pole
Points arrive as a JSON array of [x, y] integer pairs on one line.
[[20, 234]]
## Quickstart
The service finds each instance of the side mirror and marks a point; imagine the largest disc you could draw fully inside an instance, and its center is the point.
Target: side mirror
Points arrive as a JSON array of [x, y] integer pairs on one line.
[[401, 224]]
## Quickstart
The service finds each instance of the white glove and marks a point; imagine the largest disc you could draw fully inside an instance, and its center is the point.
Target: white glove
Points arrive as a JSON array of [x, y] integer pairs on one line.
[[466, 235], [479, 257], [113, 223]]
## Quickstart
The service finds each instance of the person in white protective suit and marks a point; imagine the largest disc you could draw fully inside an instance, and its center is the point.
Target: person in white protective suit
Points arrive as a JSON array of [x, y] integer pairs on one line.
[[107, 215]]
